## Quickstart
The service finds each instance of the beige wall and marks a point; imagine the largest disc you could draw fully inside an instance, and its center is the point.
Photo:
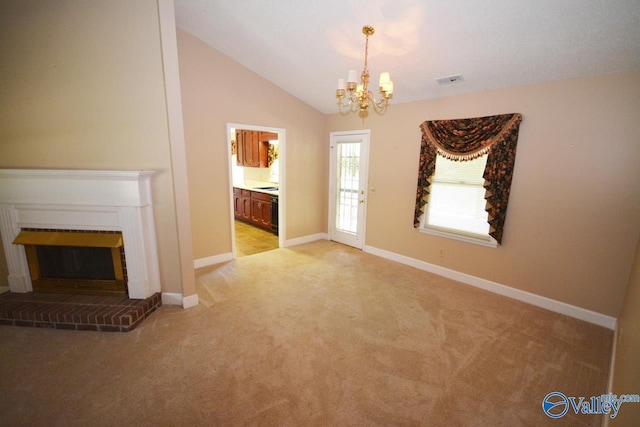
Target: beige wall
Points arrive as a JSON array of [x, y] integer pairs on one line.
[[83, 88], [216, 91], [573, 219], [626, 379]]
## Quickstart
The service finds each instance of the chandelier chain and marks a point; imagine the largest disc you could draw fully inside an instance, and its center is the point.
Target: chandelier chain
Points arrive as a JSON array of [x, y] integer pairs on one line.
[[366, 52]]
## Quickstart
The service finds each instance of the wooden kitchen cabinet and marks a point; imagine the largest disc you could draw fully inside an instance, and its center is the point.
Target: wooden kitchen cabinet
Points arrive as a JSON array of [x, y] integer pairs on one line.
[[252, 149], [239, 149], [253, 207], [268, 136], [242, 204], [261, 210], [243, 143]]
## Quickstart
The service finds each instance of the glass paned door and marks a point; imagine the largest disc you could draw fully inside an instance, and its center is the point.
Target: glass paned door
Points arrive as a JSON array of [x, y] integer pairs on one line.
[[348, 187], [349, 164]]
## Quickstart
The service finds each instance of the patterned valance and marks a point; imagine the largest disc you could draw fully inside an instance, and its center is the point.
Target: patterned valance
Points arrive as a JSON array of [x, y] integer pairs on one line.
[[467, 139]]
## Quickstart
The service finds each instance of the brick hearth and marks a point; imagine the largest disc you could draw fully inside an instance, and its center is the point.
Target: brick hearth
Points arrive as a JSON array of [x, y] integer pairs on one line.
[[76, 312]]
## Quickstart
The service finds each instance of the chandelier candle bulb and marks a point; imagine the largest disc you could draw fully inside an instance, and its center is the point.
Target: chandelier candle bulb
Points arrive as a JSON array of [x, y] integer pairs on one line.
[[341, 84], [385, 79], [353, 76]]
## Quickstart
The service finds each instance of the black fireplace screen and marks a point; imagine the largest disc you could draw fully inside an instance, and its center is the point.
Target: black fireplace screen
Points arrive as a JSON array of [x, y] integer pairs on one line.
[[72, 262]]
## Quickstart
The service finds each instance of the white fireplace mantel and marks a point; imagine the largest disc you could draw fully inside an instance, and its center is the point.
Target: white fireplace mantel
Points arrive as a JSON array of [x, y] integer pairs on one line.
[[81, 200]]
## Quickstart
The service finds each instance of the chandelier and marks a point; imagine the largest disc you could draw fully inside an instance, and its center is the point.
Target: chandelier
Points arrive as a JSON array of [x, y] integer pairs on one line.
[[359, 96]]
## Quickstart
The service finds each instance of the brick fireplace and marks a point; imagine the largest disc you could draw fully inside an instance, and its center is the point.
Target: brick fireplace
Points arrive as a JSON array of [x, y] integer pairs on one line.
[[87, 201]]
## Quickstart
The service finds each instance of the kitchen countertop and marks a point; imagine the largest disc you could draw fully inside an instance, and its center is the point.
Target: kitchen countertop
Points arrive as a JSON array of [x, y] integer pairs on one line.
[[259, 190]]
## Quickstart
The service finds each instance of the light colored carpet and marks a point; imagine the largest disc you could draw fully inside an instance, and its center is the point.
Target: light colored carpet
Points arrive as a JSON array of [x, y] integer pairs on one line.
[[319, 334]]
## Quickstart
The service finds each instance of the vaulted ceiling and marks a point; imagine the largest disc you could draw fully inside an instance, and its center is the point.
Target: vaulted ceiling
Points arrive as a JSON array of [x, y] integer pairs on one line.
[[305, 46]]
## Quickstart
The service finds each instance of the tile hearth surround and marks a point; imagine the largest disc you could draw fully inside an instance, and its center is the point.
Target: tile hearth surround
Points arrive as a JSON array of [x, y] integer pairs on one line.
[[81, 200]]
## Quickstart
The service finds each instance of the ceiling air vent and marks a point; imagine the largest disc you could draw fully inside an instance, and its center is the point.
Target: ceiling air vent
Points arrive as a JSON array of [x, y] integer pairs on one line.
[[449, 79]]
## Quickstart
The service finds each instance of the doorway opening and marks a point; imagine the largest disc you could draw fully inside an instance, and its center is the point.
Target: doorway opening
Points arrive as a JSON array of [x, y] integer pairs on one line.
[[257, 188]]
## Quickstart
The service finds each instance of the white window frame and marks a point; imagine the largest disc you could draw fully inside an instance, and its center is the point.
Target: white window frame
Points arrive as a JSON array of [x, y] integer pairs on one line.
[[455, 234]]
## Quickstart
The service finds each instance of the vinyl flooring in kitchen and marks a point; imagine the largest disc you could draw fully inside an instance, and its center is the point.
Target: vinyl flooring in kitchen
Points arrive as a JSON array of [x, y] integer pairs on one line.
[[252, 240]]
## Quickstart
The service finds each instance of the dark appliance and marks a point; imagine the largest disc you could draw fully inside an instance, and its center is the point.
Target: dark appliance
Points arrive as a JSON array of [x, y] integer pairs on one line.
[[274, 214]]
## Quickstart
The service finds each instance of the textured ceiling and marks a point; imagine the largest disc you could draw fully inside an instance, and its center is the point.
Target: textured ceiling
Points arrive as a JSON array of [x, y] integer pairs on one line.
[[305, 46]]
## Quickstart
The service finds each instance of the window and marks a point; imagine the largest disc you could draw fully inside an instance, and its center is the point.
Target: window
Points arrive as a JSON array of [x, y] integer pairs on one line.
[[484, 154], [456, 204]]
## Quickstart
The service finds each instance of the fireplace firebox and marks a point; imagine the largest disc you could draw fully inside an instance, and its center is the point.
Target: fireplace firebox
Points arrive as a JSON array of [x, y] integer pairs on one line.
[[75, 262]]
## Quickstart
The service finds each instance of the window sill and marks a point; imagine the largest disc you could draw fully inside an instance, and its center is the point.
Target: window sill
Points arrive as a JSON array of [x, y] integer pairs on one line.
[[487, 241]]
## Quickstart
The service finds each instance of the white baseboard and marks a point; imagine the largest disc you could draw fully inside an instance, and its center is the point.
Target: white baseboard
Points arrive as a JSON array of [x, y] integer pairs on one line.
[[212, 260], [497, 288], [169, 298], [305, 239], [190, 301]]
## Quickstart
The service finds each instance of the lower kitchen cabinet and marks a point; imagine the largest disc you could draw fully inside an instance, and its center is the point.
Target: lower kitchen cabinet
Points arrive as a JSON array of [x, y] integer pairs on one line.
[[261, 210], [253, 207], [242, 204]]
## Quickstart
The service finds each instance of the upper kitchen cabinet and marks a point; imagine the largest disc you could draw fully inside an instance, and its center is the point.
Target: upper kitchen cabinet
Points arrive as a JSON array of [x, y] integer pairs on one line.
[[253, 147], [268, 136]]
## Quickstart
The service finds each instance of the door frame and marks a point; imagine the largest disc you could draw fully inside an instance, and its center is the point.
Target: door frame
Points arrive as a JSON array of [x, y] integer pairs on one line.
[[366, 134], [282, 198]]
